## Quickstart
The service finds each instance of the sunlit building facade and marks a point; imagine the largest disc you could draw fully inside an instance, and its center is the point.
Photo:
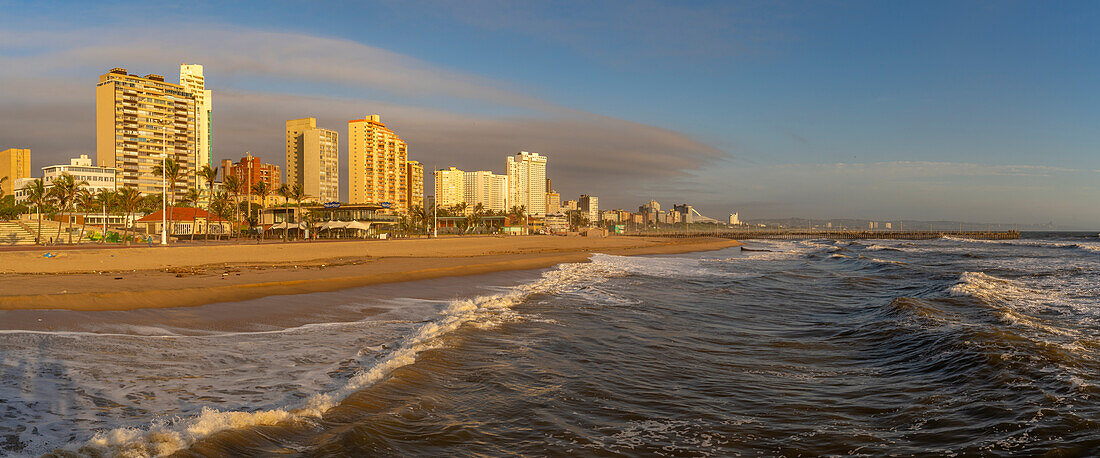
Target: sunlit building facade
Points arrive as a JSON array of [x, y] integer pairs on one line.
[[377, 167], [527, 182]]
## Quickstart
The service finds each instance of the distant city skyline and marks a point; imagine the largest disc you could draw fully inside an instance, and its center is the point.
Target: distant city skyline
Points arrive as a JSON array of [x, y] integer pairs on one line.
[[927, 111]]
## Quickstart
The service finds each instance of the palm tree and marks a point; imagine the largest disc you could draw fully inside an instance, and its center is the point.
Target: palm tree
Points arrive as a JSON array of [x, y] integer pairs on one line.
[[474, 217], [209, 175], [284, 191], [85, 201], [298, 193], [219, 205], [37, 195], [519, 213], [191, 198], [105, 199], [170, 170], [418, 217], [65, 190], [262, 189], [309, 218], [233, 184], [130, 201]]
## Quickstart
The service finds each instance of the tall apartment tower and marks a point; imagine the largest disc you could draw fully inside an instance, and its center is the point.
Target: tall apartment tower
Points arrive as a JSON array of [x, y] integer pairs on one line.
[[376, 164], [450, 187], [527, 182], [488, 189], [15, 163], [139, 119], [414, 171], [313, 159], [192, 79], [590, 206]]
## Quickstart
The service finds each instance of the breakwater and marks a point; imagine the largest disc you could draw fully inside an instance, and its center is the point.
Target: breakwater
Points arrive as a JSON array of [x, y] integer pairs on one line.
[[835, 235]]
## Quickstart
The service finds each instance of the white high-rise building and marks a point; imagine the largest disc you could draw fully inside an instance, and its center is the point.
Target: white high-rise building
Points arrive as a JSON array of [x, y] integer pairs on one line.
[[734, 219], [488, 189], [192, 80], [450, 187], [527, 182]]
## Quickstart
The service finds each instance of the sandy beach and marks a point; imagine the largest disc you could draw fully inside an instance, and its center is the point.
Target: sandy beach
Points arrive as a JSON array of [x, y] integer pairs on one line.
[[181, 276]]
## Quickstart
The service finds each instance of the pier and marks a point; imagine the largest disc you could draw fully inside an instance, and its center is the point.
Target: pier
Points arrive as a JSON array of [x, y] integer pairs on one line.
[[794, 234]]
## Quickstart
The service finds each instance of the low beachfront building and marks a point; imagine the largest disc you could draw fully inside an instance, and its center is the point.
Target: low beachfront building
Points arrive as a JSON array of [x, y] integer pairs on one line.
[[186, 221]]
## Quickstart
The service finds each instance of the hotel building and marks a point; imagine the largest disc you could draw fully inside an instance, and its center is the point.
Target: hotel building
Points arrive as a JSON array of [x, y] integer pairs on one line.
[[313, 159], [450, 187], [15, 163], [527, 182], [82, 169], [376, 164], [486, 188], [191, 78], [140, 119], [414, 171]]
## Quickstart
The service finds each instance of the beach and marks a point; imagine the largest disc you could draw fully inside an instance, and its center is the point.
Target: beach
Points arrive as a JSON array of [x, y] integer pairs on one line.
[[127, 278]]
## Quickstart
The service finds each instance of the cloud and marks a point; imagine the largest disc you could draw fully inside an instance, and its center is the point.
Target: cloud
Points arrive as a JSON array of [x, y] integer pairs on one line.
[[260, 79]]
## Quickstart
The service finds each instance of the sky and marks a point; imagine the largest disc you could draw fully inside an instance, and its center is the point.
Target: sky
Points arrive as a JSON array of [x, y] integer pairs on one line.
[[973, 111]]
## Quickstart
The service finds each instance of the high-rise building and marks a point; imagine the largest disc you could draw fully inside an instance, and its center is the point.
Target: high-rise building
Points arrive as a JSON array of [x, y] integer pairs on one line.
[[138, 121], [191, 78], [415, 187], [486, 188], [15, 163], [450, 187], [590, 206], [651, 212], [313, 159], [376, 164], [527, 182], [553, 202], [251, 170], [736, 221], [81, 169], [569, 205]]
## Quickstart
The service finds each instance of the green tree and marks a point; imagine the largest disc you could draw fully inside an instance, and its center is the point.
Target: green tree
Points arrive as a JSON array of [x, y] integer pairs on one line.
[[37, 195], [261, 189], [106, 200], [170, 170], [233, 185], [130, 202], [86, 203], [64, 191], [209, 175]]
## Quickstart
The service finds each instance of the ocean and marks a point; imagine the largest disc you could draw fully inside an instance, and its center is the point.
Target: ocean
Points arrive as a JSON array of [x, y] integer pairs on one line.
[[818, 347]]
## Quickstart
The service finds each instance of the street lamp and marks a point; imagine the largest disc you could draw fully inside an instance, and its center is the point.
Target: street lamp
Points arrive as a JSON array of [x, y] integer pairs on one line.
[[164, 198]]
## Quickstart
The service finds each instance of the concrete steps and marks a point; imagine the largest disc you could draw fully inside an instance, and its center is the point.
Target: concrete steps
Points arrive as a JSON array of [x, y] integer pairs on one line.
[[12, 233]]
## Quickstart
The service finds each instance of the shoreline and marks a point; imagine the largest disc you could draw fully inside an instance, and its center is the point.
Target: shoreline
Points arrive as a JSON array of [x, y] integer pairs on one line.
[[162, 277]]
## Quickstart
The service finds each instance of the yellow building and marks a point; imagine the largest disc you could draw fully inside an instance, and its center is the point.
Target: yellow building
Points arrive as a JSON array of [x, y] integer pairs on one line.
[[140, 119], [415, 173], [450, 187], [527, 182], [376, 164], [15, 163], [192, 79], [488, 189], [553, 202], [313, 159]]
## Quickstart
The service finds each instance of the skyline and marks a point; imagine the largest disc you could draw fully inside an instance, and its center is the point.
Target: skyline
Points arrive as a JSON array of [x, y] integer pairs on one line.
[[935, 111]]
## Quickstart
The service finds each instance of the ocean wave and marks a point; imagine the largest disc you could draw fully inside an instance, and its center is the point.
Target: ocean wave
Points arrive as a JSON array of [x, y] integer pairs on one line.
[[1008, 296], [1083, 246], [164, 437]]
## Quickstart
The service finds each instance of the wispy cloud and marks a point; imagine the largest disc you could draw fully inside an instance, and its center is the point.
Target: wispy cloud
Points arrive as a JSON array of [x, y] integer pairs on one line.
[[262, 78]]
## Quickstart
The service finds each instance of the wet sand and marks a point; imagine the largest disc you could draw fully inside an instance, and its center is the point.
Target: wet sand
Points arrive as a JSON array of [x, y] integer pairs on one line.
[[181, 276]]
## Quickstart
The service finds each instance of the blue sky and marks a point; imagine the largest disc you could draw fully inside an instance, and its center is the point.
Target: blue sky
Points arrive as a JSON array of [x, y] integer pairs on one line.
[[980, 111]]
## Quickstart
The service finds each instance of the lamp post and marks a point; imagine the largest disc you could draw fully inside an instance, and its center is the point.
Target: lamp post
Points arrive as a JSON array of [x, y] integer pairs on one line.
[[164, 199]]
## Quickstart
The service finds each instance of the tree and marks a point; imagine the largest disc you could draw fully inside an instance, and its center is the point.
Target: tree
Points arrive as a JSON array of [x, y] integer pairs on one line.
[[262, 189], [37, 195], [209, 175], [298, 193], [64, 191], [220, 206], [105, 199], [310, 218], [474, 218], [418, 218], [170, 170], [577, 220], [130, 201], [284, 191], [233, 185], [87, 203], [518, 214]]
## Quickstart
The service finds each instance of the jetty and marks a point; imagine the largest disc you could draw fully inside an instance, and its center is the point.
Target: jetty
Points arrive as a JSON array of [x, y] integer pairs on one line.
[[804, 234]]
